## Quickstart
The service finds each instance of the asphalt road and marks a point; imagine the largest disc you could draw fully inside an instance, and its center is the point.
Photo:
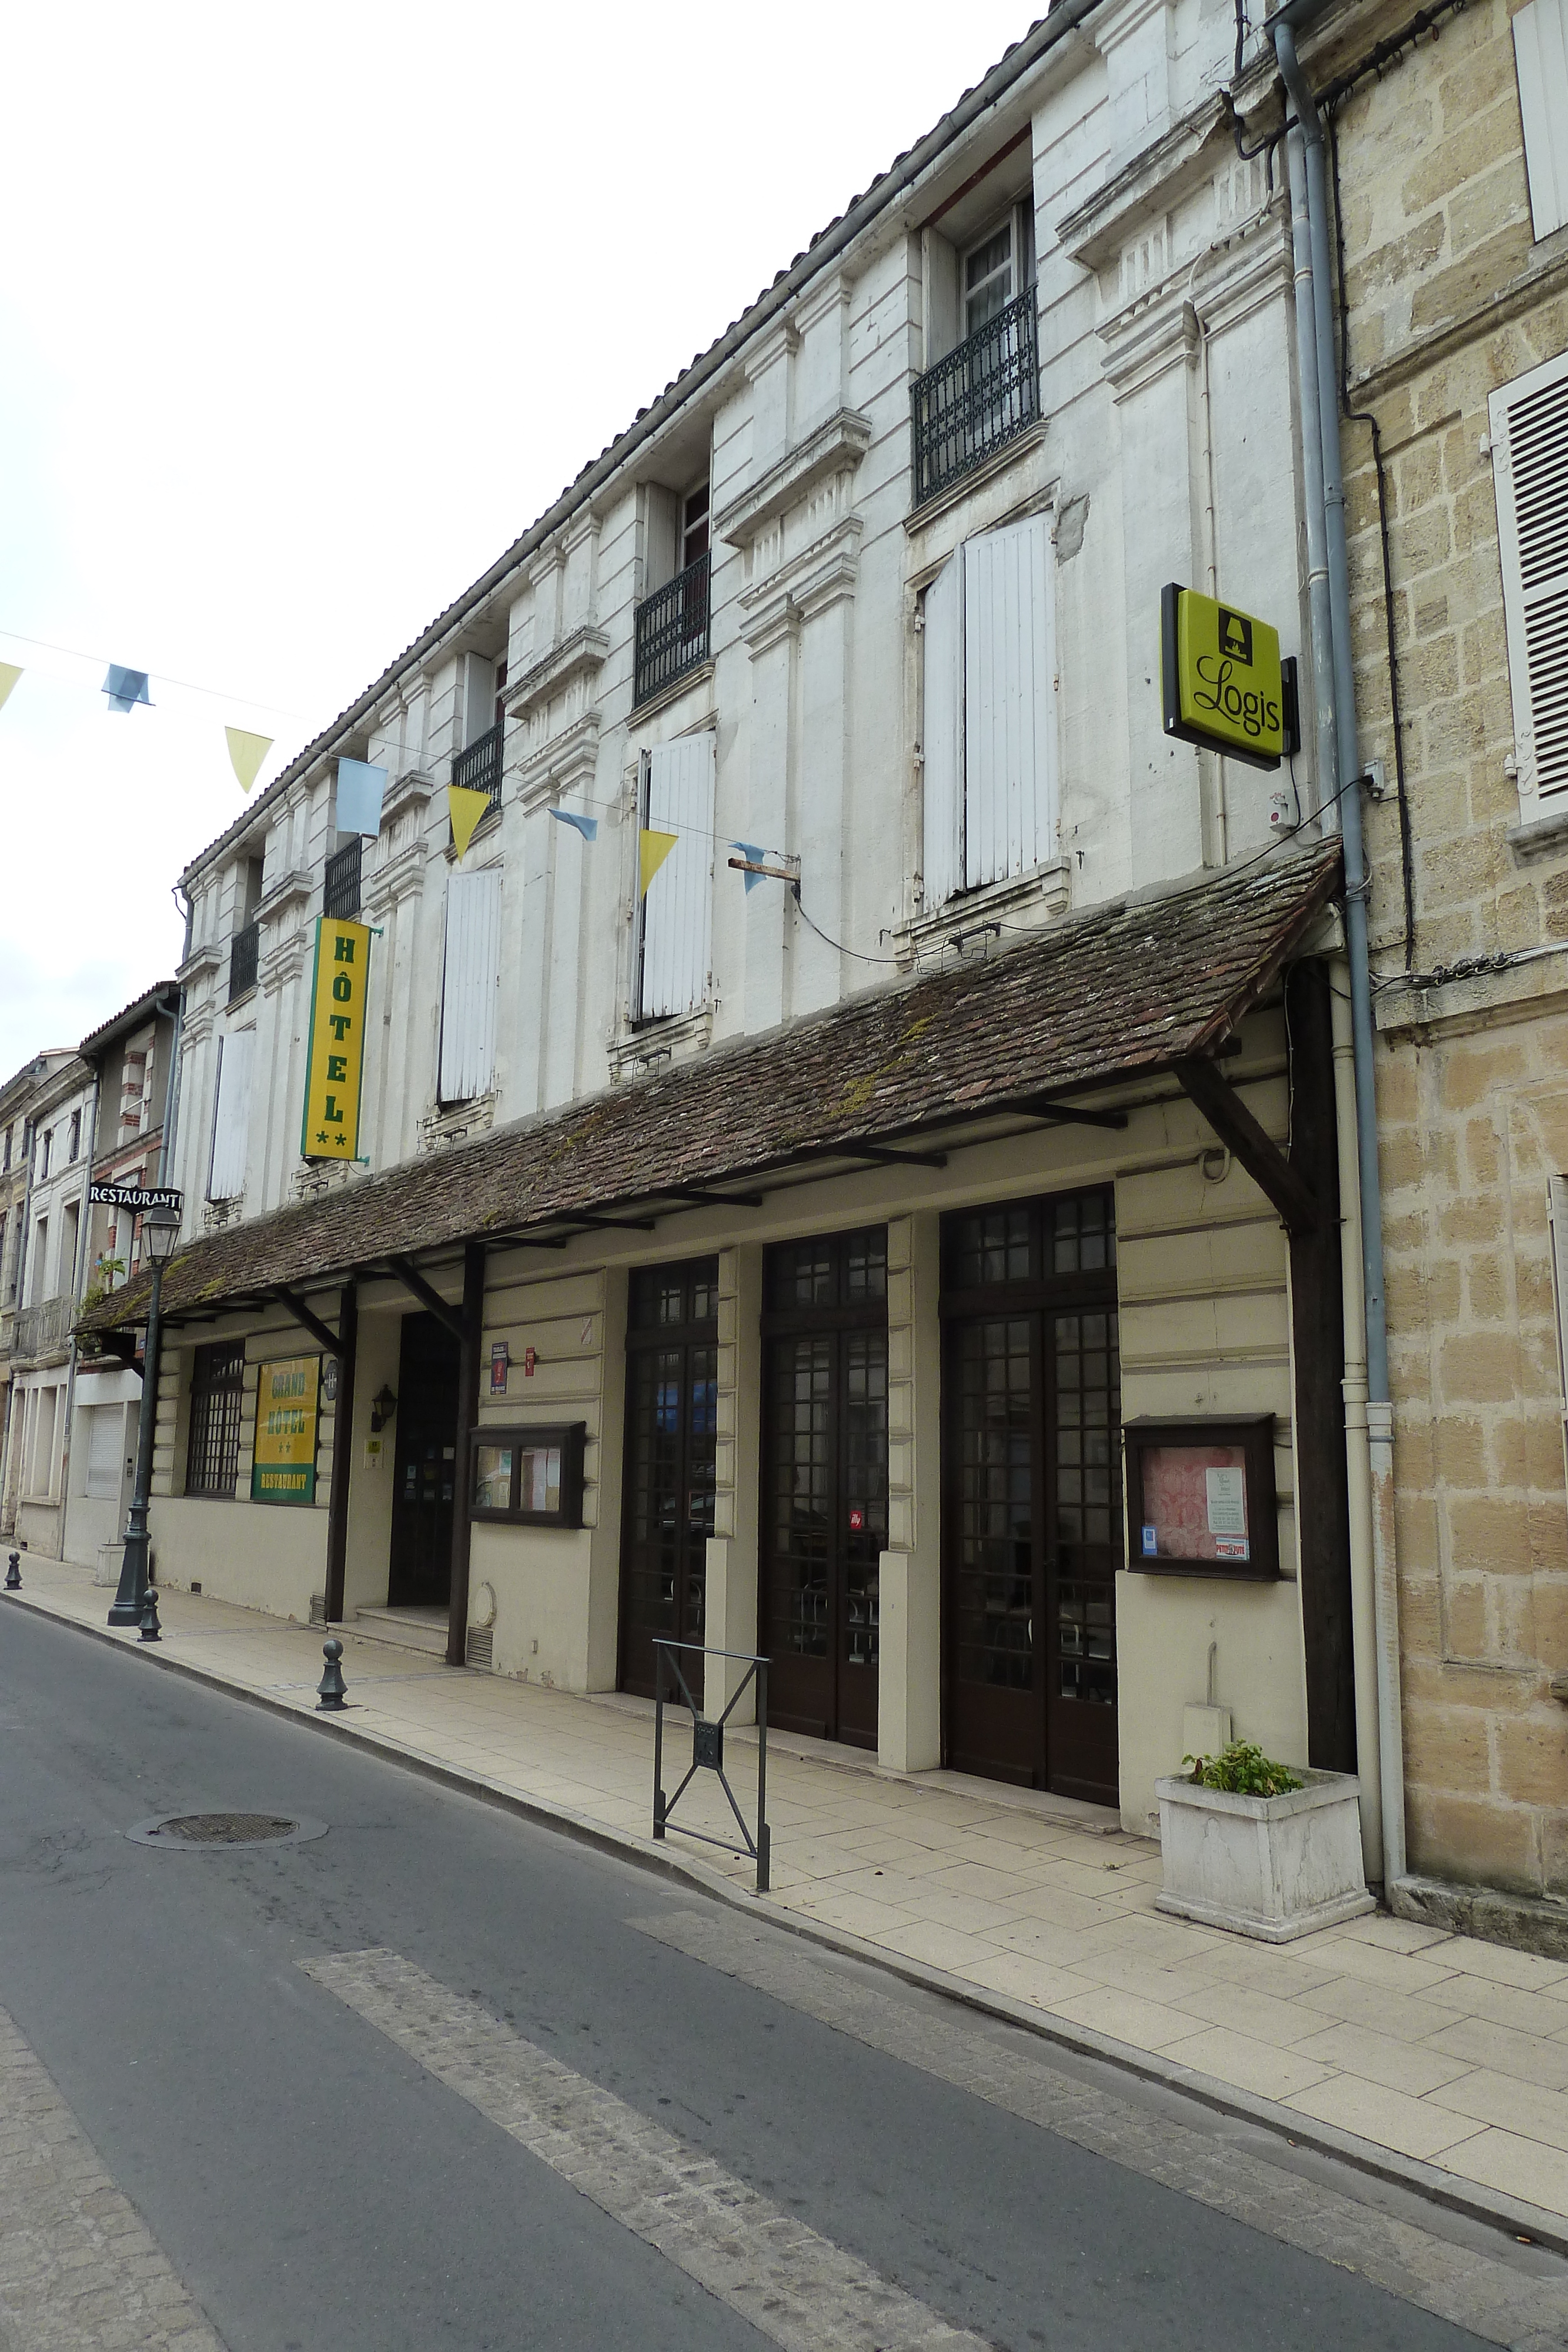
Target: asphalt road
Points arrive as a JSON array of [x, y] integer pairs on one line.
[[336, 2169]]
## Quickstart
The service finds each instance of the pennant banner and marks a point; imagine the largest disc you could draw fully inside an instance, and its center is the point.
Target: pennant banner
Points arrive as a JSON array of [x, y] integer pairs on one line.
[[586, 825], [359, 790], [331, 1128], [756, 852], [126, 688], [466, 809], [246, 752], [652, 848], [9, 673]]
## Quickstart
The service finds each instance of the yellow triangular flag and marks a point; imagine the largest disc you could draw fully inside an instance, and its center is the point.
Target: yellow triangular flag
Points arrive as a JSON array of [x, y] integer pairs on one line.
[[9, 673], [466, 809], [247, 752], [652, 848]]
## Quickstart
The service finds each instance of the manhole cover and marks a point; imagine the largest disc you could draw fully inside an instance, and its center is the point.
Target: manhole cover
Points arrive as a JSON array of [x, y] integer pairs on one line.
[[196, 1831]]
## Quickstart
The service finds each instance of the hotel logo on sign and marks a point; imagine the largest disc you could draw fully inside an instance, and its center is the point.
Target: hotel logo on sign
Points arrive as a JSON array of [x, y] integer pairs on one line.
[[1225, 684], [331, 1129], [283, 1468]]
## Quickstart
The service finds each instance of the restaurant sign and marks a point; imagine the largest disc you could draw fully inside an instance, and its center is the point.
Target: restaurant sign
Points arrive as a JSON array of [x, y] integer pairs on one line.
[[283, 1469], [1224, 686], [331, 1129], [135, 1196]]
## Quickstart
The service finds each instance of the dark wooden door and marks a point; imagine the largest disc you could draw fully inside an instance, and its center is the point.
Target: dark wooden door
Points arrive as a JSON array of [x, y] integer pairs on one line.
[[425, 1455], [824, 1504], [672, 1424]]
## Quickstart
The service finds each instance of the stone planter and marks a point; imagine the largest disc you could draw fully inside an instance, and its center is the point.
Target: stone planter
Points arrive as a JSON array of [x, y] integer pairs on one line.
[[1274, 1867]]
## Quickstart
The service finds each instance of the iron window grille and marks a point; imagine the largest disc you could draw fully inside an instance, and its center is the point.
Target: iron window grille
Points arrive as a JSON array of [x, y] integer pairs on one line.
[[977, 400], [244, 950], [674, 629], [340, 891], [217, 1387], [479, 769]]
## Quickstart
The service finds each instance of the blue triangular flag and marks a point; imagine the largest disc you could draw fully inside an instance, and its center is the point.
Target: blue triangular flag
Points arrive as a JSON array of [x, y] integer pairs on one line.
[[359, 790], [126, 688], [754, 851], [586, 825]]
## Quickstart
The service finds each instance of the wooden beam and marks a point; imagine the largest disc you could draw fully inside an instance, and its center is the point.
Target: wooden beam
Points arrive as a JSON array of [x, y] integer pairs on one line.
[[472, 1321], [414, 1283], [883, 1155], [318, 1331], [1261, 1156], [1057, 1113], [342, 1454], [704, 1199]]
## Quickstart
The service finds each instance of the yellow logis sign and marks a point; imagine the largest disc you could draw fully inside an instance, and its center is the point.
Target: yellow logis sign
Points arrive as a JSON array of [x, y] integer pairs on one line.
[[283, 1469], [331, 1129], [1225, 684]]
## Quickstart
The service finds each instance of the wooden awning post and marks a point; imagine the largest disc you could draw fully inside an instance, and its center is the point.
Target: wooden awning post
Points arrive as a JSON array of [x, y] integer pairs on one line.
[[462, 1469], [346, 1346]]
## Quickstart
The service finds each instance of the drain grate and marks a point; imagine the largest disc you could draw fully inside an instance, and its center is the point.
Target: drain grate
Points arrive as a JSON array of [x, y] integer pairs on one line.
[[196, 1831]]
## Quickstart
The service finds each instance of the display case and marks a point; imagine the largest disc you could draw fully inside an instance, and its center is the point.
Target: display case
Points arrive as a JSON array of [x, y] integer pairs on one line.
[[1200, 1498], [531, 1476]]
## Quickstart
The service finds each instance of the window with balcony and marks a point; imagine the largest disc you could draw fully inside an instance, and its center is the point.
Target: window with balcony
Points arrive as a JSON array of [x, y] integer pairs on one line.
[[673, 633], [478, 767], [244, 947], [340, 889], [980, 397], [673, 948]]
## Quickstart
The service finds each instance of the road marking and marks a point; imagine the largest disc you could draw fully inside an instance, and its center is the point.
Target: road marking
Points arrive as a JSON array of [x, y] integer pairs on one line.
[[79, 2266], [791, 2284]]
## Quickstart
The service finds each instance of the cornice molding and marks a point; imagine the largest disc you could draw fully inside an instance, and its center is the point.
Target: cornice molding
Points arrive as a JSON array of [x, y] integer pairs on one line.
[[820, 576], [199, 965], [408, 791], [583, 655], [296, 888], [1158, 176], [1164, 327], [399, 876], [561, 765], [835, 448]]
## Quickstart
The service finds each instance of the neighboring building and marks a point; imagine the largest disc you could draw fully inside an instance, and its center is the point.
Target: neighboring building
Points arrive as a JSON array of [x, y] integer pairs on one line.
[[774, 1262], [54, 1244], [16, 1099], [131, 1058]]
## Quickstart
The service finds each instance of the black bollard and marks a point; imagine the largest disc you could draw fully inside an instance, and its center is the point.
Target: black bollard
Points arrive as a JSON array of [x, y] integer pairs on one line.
[[331, 1694], [13, 1573], [150, 1629]]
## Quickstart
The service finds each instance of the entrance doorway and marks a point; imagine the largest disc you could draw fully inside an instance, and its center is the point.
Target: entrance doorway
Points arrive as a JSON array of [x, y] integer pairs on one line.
[[419, 1574], [672, 1424], [824, 1498], [1032, 1507]]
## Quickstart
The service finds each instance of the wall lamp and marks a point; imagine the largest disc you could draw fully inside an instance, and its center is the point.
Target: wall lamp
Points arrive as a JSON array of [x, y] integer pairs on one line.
[[383, 1404]]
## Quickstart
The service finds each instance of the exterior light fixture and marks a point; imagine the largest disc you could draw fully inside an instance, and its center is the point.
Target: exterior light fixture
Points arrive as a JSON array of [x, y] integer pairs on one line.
[[160, 1239], [383, 1404]]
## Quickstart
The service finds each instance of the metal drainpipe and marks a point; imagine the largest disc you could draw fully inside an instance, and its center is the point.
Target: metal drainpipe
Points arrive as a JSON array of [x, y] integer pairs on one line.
[[79, 1272], [1319, 356], [1319, 620]]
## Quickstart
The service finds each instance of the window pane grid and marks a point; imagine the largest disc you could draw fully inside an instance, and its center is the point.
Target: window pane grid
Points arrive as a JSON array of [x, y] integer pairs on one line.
[[217, 1386]]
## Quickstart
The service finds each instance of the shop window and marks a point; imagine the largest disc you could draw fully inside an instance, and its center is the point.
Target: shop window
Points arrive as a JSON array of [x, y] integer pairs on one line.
[[217, 1387]]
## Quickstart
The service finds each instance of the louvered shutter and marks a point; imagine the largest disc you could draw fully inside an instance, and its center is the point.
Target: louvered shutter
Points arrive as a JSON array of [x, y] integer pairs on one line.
[[678, 911], [942, 734], [1010, 749], [231, 1116], [1529, 468], [1540, 56], [470, 984]]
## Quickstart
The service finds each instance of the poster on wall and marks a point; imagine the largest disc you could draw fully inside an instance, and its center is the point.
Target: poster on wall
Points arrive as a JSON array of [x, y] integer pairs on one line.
[[287, 1394], [1200, 1495]]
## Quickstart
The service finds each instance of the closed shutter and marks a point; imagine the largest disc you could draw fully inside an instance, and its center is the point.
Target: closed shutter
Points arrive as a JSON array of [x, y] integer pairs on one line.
[[230, 1119], [1540, 56], [942, 735], [1557, 1226], [471, 983], [105, 1451], [677, 911], [1529, 468], [1009, 756]]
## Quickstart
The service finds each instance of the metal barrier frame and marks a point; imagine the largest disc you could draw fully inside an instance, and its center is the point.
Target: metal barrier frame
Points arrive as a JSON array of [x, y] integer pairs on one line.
[[708, 1747]]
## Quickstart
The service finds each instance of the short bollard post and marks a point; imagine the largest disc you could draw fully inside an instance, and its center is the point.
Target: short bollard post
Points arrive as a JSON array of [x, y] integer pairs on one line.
[[331, 1691], [14, 1572], [150, 1629]]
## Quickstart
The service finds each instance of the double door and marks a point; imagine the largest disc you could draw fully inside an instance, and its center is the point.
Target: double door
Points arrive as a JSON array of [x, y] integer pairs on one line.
[[672, 1424], [425, 1455]]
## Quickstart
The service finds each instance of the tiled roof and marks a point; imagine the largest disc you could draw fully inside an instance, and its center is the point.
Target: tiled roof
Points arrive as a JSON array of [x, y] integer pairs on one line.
[[128, 1016], [1123, 989]]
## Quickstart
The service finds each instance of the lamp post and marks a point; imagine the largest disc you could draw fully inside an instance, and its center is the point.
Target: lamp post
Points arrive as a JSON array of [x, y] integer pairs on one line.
[[159, 1237]]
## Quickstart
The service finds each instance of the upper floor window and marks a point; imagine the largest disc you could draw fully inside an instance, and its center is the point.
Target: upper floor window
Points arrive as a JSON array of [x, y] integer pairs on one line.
[[672, 950], [673, 621], [478, 767], [46, 1146], [988, 277], [1529, 420], [244, 947], [73, 1148], [1540, 56], [6, 1161], [342, 883], [231, 1116], [471, 982], [985, 392]]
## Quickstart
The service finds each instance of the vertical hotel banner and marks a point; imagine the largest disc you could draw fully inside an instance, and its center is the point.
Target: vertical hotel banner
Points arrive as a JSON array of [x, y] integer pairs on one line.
[[331, 1129], [284, 1467]]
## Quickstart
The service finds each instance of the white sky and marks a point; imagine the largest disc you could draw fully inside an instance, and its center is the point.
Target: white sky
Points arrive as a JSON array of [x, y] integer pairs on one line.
[[304, 313]]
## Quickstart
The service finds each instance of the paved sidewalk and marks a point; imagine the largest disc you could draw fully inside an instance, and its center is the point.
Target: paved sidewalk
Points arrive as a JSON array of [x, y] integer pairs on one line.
[[1449, 2052]]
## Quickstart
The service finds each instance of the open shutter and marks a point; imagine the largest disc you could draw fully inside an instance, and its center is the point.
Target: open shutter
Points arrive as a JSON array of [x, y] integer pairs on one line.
[[942, 734], [1541, 57], [1529, 468], [470, 984], [678, 911], [231, 1117], [1010, 742]]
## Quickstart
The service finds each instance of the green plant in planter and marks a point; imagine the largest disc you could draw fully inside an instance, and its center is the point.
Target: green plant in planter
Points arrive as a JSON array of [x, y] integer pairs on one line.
[[1243, 1771]]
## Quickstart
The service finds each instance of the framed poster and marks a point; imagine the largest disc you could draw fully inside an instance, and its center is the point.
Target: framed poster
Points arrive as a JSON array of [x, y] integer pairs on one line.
[[1201, 1499], [532, 1476], [288, 1393]]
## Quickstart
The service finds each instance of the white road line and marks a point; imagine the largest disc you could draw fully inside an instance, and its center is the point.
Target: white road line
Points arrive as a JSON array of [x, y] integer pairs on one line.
[[792, 2285]]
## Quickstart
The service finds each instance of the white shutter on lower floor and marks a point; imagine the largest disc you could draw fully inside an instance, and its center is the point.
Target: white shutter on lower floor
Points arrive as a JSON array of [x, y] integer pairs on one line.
[[105, 1451], [942, 734], [1530, 471], [231, 1116], [470, 984], [1009, 733], [676, 933], [1540, 57]]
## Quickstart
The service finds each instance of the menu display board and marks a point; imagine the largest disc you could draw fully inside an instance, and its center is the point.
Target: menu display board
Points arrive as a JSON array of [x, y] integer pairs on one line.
[[533, 1476], [1200, 1498]]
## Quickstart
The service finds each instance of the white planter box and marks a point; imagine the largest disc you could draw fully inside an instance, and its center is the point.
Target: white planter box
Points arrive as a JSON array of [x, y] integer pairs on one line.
[[1274, 1867]]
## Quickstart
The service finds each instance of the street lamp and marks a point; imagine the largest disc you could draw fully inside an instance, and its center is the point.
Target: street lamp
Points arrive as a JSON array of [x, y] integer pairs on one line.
[[159, 1237]]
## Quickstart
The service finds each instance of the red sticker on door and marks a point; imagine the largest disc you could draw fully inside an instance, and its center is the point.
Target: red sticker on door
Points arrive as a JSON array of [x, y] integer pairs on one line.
[[857, 1521]]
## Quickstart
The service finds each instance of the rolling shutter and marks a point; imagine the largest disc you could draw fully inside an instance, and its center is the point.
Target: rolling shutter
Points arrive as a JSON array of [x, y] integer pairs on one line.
[[1530, 469], [105, 1451], [470, 984], [1540, 57], [678, 911], [942, 734], [1009, 756], [231, 1116]]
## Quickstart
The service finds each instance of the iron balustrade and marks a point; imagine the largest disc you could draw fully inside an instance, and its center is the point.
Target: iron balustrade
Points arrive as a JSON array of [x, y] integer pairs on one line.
[[245, 949], [707, 1747], [340, 890], [479, 769], [674, 629], [977, 400]]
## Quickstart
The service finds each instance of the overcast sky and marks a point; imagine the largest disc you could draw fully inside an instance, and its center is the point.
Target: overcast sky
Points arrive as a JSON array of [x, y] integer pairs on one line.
[[304, 313]]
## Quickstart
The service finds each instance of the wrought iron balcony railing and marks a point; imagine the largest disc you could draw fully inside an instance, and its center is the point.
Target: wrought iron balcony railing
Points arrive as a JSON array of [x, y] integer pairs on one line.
[[674, 629], [975, 400], [479, 769], [340, 890], [245, 949]]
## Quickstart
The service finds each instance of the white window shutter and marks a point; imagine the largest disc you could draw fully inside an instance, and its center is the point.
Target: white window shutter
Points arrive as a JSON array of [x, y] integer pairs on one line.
[[1009, 733], [470, 984], [231, 1116], [1540, 57], [942, 734], [1557, 1229], [1530, 471], [677, 911]]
